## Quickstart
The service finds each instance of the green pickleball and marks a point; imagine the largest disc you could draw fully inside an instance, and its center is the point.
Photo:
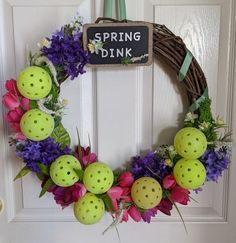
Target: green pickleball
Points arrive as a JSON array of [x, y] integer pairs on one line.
[[98, 178], [36, 125], [146, 192], [189, 173], [34, 83], [89, 209], [62, 170], [190, 143]]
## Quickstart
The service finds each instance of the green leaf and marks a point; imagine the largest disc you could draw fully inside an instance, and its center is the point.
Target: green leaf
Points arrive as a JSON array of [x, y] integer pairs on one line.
[[43, 168], [33, 104], [125, 61], [22, 173], [40, 176], [79, 146], [80, 174], [46, 186], [60, 135], [107, 201]]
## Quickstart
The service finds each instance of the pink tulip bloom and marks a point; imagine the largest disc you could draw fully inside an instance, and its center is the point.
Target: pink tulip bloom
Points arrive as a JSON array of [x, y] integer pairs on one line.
[[11, 86], [13, 99], [125, 217], [134, 213], [114, 194], [14, 115], [10, 100], [126, 179], [126, 194], [15, 127], [25, 103], [180, 195], [169, 182]]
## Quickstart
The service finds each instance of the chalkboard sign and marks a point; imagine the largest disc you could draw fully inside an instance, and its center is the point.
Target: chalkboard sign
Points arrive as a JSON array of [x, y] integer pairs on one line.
[[118, 43]]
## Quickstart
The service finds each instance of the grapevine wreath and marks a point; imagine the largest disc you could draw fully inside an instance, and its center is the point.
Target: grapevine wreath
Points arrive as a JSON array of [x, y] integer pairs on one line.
[[155, 181]]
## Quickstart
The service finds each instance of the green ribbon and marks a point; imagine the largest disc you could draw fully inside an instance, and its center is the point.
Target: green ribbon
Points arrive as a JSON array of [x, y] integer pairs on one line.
[[108, 5], [108, 8], [197, 103], [122, 6], [185, 66]]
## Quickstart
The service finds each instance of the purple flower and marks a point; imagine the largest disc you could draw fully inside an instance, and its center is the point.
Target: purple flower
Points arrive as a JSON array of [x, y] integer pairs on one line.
[[151, 165], [45, 152], [66, 52], [165, 206], [215, 162], [147, 215]]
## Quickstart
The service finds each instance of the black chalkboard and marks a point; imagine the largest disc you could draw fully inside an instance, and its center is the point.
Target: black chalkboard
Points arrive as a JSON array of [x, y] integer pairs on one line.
[[119, 43]]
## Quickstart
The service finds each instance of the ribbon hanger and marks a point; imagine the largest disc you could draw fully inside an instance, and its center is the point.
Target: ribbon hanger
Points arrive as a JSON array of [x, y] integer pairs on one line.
[[108, 7]]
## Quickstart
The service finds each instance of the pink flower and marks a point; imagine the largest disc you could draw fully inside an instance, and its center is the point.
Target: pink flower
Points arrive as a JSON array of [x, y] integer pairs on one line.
[[10, 100], [114, 194], [13, 99], [87, 156], [165, 206], [11, 86], [126, 179], [180, 195], [134, 213], [25, 103], [126, 194], [122, 195], [14, 115], [169, 182], [67, 195], [125, 217]]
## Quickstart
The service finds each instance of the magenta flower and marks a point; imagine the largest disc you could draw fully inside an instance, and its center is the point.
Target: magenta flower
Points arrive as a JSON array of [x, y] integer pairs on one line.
[[14, 117], [87, 156], [134, 213], [165, 206], [67, 195], [169, 182], [17, 106], [10, 101], [126, 179], [180, 195], [11, 87]]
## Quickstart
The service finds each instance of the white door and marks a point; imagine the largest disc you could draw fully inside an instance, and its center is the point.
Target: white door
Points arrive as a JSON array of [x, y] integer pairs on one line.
[[125, 111]]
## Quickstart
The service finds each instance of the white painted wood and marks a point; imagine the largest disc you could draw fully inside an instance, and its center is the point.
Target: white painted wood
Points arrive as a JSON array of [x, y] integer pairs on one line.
[[125, 111]]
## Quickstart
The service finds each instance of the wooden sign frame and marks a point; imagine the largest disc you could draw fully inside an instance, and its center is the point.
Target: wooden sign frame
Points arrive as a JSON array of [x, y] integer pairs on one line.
[[130, 24]]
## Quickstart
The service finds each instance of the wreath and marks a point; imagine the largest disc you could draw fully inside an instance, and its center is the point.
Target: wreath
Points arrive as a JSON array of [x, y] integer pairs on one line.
[[156, 181]]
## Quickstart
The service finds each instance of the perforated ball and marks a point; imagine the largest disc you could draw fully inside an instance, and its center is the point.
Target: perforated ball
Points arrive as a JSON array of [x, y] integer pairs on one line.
[[98, 178], [34, 83], [146, 192], [190, 143], [36, 125], [189, 174], [89, 209], [62, 170]]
